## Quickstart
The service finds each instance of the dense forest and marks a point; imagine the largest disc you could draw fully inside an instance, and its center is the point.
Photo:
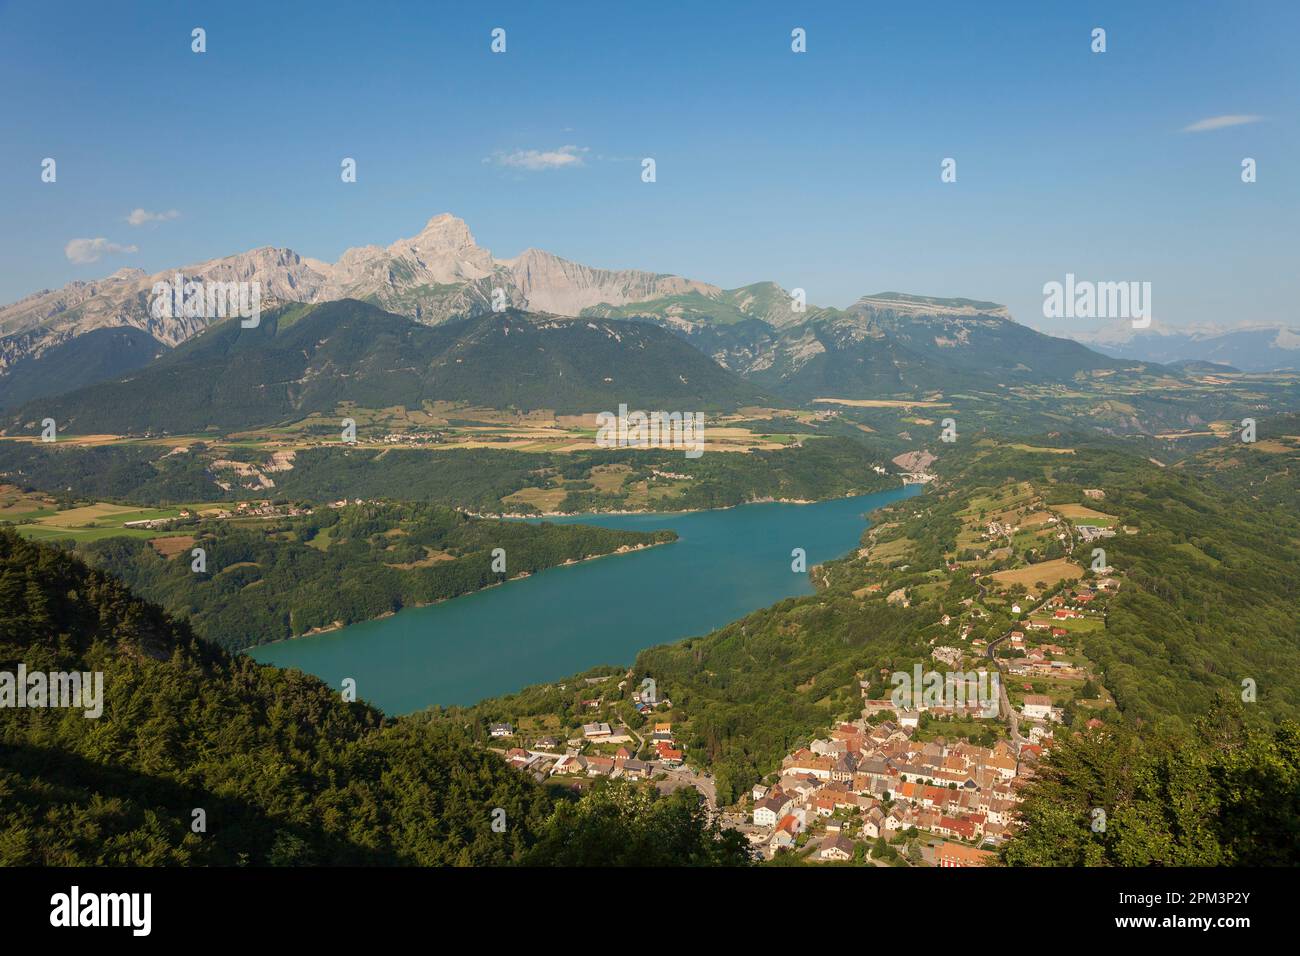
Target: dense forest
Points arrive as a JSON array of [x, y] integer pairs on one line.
[[1227, 794], [300, 359], [268, 580], [204, 758]]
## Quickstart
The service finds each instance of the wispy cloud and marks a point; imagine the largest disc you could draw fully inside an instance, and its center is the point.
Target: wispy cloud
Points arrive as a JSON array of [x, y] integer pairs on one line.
[[82, 251], [537, 159], [139, 217], [1221, 122]]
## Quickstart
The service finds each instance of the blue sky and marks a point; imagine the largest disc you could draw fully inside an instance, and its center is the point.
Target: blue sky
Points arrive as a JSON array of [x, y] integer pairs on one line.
[[817, 170]]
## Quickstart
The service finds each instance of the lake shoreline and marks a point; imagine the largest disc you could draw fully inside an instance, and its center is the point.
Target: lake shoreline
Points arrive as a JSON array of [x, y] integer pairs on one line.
[[729, 562], [512, 516], [339, 625]]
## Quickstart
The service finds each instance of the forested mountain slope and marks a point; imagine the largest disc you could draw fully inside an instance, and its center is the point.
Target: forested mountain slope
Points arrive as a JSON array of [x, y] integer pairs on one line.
[[302, 359], [284, 770]]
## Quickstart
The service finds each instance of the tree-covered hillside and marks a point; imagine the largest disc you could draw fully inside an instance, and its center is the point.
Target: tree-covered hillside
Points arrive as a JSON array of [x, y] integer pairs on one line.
[[93, 357], [472, 479], [1226, 795], [304, 359], [285, 772]]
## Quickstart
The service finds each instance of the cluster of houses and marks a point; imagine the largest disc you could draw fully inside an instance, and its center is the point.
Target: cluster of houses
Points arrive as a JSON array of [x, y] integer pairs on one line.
[[244, 509], [1043, 660], [999, 529], [622, 765], [414, 438], [544, 759], [887, 781], [645, 698], [264, 509], [666, 748], [868, 781]]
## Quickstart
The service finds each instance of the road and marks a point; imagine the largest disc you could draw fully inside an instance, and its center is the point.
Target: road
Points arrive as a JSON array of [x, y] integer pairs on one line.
[[1013, 721], [683, 778]]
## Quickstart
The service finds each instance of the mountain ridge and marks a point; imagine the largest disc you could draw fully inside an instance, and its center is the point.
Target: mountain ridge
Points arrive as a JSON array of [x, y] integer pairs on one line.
[[1249, 347], [311, 359], [886, 344], [436, 275]]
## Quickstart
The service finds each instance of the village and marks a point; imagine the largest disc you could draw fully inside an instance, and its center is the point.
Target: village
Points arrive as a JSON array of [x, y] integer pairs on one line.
[[243, 509], [893, 778], [916, 779]]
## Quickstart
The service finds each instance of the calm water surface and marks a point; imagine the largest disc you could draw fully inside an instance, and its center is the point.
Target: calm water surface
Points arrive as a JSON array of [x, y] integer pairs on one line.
[[724, 564]]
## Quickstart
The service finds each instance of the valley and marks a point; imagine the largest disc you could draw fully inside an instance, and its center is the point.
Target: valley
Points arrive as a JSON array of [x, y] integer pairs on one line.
[[403, 491], [750, 436]]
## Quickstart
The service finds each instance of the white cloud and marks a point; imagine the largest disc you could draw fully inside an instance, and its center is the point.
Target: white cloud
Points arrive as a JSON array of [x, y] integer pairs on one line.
[[139, 217], [1221, 122], [535, 159], [82, 251]]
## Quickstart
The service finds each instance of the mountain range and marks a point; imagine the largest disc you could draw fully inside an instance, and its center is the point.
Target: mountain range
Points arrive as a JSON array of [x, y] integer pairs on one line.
[[436, 275], [885, 345], [1248, 348], [304, 359]]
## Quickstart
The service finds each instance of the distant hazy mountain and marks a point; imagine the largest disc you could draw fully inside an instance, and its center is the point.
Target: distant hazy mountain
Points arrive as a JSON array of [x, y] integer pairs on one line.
[[309, 358], [1248, 348]]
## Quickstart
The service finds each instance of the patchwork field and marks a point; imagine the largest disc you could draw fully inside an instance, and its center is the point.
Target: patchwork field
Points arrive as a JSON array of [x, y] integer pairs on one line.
[[1048, 572], [447, 426], [1082, 514], [14, 504], [40, 519], [171, 546], [1037, 449], [880, 403]]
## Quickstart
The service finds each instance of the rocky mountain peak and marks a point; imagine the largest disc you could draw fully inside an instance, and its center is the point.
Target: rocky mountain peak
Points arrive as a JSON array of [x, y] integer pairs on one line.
[[444, 251], [444, 231]]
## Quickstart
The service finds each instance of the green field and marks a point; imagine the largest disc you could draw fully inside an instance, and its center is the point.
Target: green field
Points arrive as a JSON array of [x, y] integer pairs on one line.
[[91, 522]]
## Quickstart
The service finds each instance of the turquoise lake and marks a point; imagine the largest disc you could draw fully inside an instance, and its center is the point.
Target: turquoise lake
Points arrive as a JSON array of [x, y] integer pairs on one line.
[[724, 564]]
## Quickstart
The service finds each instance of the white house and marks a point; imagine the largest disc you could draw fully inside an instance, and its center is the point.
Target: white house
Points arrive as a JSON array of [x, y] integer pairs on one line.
[[836, 846], [1037, 707], [769, 810]]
